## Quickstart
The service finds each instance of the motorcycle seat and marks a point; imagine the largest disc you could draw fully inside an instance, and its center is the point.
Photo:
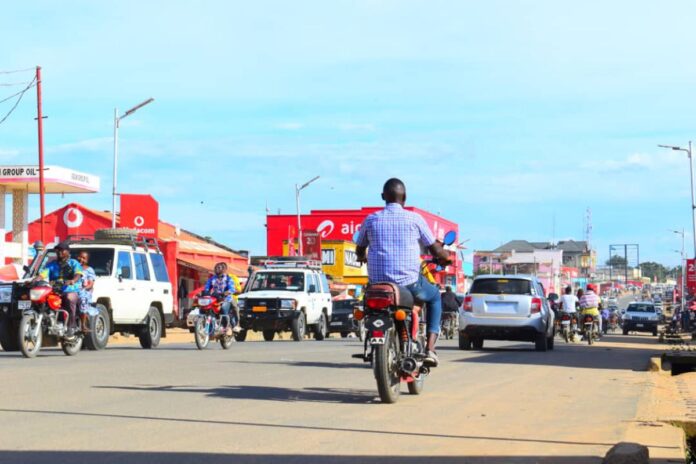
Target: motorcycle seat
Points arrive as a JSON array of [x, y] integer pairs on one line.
[[402, 296]]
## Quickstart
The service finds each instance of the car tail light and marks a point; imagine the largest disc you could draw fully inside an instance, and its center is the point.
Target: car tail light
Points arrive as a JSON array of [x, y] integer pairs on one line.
[[536, 305], [468, 304], [379, 302], [39, 294], [54, 301]]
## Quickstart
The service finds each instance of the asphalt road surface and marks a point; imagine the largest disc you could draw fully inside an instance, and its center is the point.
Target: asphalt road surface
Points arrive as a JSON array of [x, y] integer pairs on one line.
[[310, 402]]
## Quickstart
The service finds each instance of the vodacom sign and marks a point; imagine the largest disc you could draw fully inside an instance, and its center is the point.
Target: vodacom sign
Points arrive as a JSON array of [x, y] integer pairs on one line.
[[140, 212], [73, 218]]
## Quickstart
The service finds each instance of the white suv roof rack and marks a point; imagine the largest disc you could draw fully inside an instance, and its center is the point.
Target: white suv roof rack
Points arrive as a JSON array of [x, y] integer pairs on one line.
[[283, 263]]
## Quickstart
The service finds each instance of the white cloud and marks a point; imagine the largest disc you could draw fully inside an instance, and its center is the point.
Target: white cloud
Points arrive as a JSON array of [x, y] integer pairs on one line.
[[357, 127], [8, 154], [290, 126], [100, 144]]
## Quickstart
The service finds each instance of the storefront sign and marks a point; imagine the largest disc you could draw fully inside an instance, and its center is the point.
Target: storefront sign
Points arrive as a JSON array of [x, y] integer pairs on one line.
[[351, 258], [691, 275], [328, 256], [140, 212], [311, 244]]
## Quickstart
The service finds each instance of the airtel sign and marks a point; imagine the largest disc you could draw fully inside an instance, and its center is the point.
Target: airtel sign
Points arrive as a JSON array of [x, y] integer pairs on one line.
[[336, 225]]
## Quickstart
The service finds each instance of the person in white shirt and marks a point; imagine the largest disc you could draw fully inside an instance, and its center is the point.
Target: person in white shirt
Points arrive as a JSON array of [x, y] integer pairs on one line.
[[569, 301]]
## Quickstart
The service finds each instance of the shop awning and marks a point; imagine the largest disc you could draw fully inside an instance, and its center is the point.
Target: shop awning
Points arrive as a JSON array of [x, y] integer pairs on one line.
[[207, 263]]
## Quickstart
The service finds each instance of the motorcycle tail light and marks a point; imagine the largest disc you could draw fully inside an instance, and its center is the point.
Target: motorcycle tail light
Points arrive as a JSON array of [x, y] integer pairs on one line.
[[400, 315], [380, 302], [39, 294], [565, 317], [358, 314], [378, 333], [589, 319], [536, 305], [54, 301], [468, 304]]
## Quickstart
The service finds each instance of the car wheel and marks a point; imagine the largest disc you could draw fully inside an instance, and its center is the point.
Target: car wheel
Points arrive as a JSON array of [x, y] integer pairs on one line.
[[269, 335], [320, 329], [541, 342], [151, 333], [241, 335], [464, 341], [344, 334], [654, 332], [298, 327], [477, 343], [550, 342], [99, 330], [9, 337], [625, 331]]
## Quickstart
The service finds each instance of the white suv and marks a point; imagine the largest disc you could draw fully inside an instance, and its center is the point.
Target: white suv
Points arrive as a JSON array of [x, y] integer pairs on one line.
[[132, 286], [286, 295]]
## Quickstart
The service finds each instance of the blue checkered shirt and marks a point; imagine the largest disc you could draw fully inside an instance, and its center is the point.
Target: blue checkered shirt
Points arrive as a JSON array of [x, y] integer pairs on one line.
[[393, 237]]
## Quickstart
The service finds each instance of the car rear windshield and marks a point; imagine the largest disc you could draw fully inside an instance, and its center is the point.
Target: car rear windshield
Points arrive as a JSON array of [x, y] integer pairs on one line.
[[502, 286], [641, 308], [344, 306]]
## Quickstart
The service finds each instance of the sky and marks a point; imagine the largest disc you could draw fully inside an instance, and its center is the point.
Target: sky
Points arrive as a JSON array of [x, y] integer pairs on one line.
[[510, 118]]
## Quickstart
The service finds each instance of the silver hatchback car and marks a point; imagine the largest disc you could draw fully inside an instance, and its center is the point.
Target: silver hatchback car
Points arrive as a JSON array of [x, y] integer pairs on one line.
[[506, 307]]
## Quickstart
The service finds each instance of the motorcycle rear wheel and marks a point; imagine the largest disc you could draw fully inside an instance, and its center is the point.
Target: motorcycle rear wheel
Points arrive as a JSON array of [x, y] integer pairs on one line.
[[29, 346], [200, 334], [386, 369], [590, 337], [72, 347]]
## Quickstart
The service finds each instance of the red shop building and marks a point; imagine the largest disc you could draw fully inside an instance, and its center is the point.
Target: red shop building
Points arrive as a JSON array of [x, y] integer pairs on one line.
[[190, 258], [342, 224]]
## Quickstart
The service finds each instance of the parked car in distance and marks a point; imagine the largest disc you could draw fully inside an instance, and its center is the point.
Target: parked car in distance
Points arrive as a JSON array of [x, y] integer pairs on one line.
[[641, 317], [506, 307], [342, 318]]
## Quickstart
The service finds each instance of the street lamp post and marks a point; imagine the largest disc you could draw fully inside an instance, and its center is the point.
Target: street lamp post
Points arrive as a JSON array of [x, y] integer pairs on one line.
[[298, 188], [117, 122], [683, 265], [691, 174]]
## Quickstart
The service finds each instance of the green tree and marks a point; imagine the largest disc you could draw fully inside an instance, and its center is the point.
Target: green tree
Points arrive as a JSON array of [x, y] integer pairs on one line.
[[616, 261], [654, 271]]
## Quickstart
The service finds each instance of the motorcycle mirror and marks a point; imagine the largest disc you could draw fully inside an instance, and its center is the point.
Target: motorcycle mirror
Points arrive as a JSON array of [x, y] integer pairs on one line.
[[449, 238]]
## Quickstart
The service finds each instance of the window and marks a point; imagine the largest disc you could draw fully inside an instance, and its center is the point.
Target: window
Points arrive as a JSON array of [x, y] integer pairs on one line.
[[100, 259], [502, 286], [641, 308], [124, 269], [159, 267], [277, 281], [142, 271], [324, 283]]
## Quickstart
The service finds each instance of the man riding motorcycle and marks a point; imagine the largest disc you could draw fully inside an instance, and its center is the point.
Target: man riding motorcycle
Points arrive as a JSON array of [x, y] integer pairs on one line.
[[68, 272], [222, 286], [389, 240], [591, 304]]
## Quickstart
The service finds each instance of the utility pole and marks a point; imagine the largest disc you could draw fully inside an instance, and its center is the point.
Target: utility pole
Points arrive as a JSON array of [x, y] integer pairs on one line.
[[42, 188]]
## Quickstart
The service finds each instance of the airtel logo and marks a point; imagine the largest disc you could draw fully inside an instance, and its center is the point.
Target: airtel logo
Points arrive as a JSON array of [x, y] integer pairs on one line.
[[73, 218], [325, 228]]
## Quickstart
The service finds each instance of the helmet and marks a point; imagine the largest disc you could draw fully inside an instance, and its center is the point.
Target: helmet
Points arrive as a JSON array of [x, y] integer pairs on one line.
[[592, 287]]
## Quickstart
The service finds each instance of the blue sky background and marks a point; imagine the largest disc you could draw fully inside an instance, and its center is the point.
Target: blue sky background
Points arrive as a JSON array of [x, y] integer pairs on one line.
[[500, 114]]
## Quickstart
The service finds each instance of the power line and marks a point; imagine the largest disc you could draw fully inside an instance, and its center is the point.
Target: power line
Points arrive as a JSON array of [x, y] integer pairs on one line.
[[12, 84], [15, 71], [19, 99], [15, 94]]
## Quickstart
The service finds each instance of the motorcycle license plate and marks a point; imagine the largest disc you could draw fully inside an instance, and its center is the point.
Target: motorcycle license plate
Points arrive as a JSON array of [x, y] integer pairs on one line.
[[23, 304], [565, 322], [377, 341], [259, 309], [378, 323]]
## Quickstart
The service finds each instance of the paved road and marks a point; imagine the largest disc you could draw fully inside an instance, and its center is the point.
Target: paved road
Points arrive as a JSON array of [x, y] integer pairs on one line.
[[286, 402]]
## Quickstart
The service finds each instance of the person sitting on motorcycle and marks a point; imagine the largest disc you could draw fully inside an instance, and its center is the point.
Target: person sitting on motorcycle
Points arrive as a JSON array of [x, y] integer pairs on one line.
[[604, 320], [589, 304], [450, 301], [394, 236], [68, 272], [569, 304], [87, 281], [221, 286]]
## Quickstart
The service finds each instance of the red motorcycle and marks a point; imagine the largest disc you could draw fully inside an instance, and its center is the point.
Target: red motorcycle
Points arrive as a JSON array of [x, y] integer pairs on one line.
[[210, 323], [47, 316], [395, 337]]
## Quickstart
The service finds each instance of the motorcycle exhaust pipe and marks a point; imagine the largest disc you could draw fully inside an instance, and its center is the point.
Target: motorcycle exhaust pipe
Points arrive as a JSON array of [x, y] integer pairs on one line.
[[409, 365], [424, 370]]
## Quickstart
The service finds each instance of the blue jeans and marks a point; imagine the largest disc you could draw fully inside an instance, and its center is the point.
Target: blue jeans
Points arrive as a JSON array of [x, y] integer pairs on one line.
[[428, 293], [225, 311]]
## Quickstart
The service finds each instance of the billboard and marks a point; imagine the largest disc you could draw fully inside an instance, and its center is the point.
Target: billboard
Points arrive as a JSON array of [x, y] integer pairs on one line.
[[691, 276], [140, 212]]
